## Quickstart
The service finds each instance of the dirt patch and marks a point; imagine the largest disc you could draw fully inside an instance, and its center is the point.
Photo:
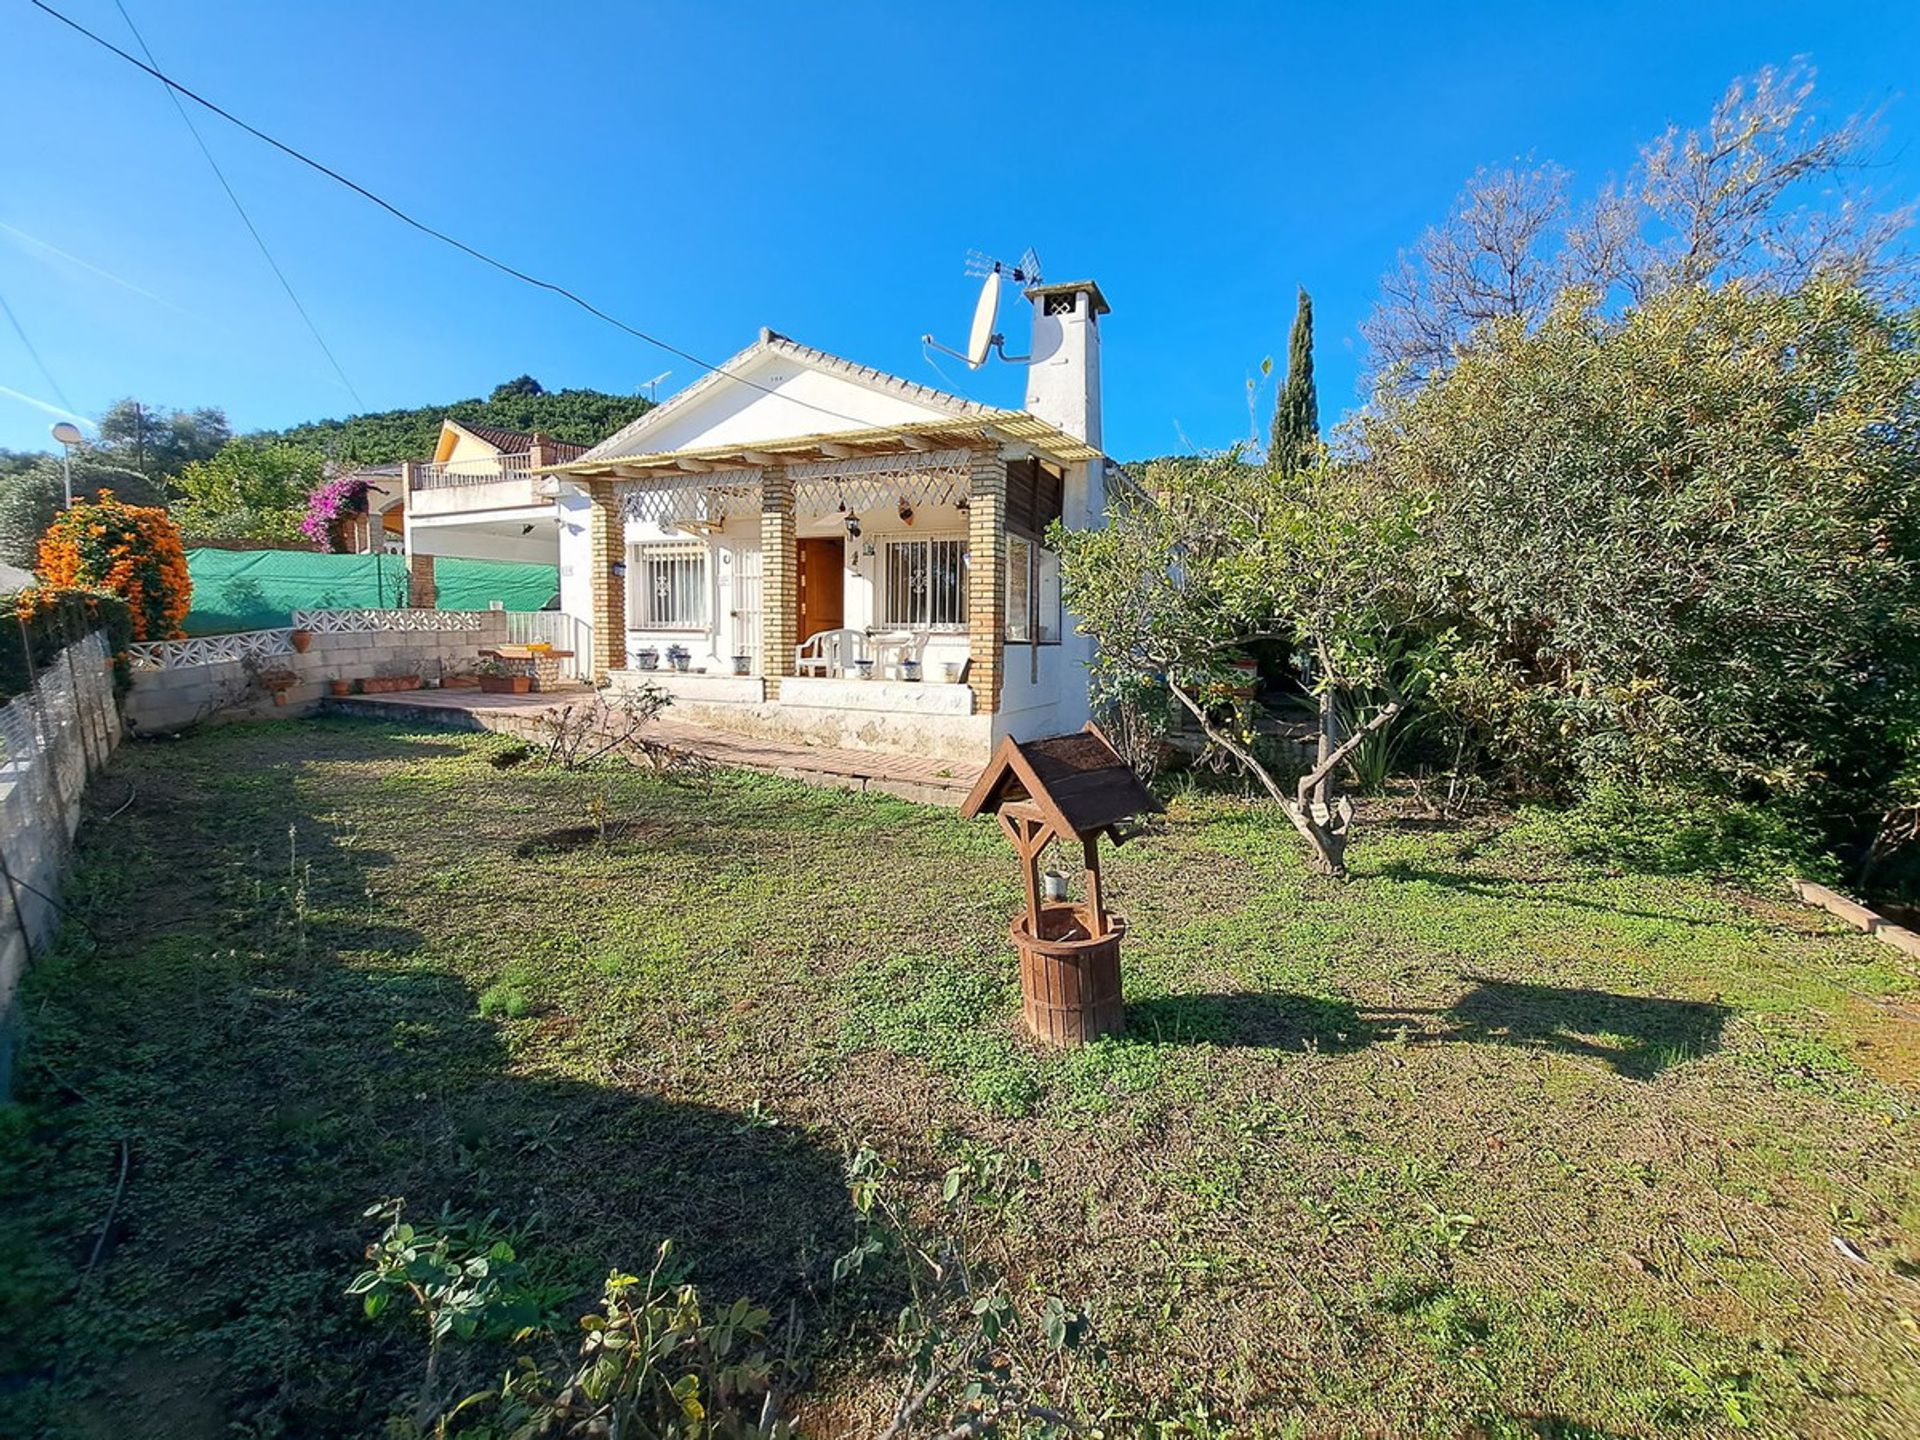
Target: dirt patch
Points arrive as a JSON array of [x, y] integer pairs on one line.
[[579, 837]]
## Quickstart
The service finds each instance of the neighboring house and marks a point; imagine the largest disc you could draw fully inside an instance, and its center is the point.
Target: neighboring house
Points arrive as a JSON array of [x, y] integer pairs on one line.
[[479, 498], [792, 515]]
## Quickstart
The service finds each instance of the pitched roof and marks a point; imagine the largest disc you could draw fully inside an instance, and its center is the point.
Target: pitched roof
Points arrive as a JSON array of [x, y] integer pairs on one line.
[[631, 440], [516, 442], [1079, 782]]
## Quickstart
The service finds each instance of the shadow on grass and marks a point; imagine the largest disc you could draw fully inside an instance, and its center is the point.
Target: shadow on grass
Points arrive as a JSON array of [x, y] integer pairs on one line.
[[1494, 888], [1637, 1036], [278, 1054]]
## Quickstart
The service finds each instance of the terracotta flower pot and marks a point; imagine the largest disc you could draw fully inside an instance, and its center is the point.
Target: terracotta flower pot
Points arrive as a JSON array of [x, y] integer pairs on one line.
[[506, 684], [301, 640], [339, 687]]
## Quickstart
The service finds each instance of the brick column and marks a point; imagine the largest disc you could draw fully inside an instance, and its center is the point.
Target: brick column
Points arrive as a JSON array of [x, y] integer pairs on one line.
[[779, 580], [987, 584], [607, 544], [421, 591]]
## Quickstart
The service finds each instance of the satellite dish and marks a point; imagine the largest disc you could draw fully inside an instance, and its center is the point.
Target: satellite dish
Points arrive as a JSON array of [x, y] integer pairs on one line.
[[985, 312]]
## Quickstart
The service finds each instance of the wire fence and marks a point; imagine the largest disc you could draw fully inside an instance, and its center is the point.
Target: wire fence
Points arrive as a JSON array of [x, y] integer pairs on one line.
[[53, 737]]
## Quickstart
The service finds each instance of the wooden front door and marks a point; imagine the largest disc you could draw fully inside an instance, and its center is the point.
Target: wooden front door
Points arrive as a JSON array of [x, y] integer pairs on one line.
[[820, 578]]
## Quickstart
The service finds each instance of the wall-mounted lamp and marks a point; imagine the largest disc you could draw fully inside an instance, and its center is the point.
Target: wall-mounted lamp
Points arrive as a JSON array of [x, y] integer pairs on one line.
[[853, 525], [906, 511]]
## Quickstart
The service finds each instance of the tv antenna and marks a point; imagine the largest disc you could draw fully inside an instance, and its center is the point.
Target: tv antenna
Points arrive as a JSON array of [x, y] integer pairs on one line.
[[982, 338]]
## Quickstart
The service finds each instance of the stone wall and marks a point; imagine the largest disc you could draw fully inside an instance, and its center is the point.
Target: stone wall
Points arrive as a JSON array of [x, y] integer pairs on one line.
[[184, 695], [52, 740]]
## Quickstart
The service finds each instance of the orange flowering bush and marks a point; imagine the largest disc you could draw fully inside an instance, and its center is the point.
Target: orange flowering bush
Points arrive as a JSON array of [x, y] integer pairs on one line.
[[133, 551]]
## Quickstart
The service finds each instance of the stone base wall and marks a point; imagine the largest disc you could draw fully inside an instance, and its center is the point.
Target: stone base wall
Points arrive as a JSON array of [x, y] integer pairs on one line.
[[173, 699]]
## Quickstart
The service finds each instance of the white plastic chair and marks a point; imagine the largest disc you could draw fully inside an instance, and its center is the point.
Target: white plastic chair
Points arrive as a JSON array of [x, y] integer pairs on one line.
[[829, 653]]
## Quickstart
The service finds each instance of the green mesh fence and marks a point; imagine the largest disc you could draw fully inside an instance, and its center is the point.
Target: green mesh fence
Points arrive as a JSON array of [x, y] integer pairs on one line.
[[260, 589]]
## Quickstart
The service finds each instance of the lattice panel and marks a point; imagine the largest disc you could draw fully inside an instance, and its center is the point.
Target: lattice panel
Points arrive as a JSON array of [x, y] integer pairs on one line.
[[210, 649], [687, 500], [868, 482], [410, 622]]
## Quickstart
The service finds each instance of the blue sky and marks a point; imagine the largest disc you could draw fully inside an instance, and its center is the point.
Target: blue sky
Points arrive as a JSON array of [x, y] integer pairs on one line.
[[703, 169]]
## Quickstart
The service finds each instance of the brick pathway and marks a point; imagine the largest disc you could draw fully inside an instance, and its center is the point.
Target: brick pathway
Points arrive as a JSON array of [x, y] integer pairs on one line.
[[933, 782]]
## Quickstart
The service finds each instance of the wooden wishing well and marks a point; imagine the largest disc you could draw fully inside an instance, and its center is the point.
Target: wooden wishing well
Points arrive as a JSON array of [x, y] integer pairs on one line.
[[1067, 788]]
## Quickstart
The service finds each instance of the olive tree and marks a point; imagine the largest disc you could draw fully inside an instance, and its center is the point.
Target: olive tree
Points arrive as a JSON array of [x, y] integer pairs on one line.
[[1210, 554]]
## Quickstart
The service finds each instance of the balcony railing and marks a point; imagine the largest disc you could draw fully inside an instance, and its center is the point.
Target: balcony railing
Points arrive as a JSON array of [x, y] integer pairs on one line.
[[491, 471]]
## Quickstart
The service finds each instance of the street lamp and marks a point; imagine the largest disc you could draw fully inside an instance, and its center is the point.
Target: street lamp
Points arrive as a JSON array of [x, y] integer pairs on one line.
[[68, 434]]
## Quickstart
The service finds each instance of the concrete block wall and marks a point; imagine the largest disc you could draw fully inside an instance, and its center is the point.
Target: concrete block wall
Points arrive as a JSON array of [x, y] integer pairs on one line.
[[167, 700]]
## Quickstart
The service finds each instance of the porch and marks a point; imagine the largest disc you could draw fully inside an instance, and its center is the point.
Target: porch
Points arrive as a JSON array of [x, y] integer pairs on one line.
[[932, 781]]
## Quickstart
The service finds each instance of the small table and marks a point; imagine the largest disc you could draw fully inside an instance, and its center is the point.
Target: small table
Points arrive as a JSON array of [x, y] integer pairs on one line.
[[542, 667], [890, 647]]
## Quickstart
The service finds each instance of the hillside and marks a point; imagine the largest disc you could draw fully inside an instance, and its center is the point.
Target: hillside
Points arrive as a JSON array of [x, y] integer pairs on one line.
[[582, 416]]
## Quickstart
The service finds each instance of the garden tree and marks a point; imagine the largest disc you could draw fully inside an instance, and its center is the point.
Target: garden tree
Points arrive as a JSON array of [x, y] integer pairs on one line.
[[32, 495], [1216, 554], [1296, 409], [127, 550], [1676, 550], [1734, 199], [158, 443], [248, 491]]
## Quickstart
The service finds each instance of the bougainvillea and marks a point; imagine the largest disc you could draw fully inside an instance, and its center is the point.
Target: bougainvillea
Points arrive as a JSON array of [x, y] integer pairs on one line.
[[327, 502], [133, 551]]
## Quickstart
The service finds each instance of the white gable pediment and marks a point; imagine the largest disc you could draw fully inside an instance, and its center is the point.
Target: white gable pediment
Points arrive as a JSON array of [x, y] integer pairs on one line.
[[778, 390]]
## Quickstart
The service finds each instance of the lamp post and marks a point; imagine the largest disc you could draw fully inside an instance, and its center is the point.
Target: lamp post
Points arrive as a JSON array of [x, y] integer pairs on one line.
[[68, 434]]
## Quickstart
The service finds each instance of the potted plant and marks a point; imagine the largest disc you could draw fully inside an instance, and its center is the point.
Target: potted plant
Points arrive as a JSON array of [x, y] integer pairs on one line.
[[743, 664], [648, 657], [863, 669], [679, 657], [301, 640], [339, 687], [497, 679], [910, 671], [277, 683]]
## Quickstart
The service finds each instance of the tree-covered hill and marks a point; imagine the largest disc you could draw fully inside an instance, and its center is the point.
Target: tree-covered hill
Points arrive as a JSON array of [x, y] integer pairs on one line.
[[582, 416]]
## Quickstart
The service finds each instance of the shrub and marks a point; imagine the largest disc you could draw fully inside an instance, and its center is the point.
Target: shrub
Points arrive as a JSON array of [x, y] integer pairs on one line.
[[129, 550], [1675, 550], [248, 491], [36, 625], [31, 499], [327, 502]]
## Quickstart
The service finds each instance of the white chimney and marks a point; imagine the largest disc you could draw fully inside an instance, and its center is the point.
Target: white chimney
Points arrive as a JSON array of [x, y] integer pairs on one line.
[[1063, 377]]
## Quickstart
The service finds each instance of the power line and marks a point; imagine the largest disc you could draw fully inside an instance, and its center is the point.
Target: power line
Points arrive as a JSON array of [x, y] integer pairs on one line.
[[47, 374], [426, 229], [241, 211]]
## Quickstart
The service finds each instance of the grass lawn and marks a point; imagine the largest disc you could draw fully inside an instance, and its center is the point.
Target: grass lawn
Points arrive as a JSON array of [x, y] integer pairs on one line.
[[1486, 1140]]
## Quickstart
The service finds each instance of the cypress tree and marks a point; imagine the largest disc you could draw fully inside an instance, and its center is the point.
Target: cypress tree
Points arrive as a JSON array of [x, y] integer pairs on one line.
[[1296, 410]]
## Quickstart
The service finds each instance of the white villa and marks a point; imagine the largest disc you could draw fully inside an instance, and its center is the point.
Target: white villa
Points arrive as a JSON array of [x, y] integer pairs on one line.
[[803, 547]]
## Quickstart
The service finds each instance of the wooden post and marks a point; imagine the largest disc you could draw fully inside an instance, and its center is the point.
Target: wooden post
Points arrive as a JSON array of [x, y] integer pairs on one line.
[[1096, 903]]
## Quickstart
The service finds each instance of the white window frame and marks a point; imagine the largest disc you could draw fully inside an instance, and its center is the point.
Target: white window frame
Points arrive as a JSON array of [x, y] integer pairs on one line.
[[936, 613], [644, 608]]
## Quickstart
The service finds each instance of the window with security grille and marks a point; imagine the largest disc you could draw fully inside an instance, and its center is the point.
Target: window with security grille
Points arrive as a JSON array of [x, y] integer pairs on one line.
[[667, 587], [926, 585]]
